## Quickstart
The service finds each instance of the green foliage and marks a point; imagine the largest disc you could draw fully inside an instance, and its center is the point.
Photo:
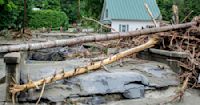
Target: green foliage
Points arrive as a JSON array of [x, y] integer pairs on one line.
[[185, 7], [48, 18], [47, 4], [12, 12], [1, 2], [7, 14], [93, 8], [70, 7], [88, 8], [191, 5], [165, 8]]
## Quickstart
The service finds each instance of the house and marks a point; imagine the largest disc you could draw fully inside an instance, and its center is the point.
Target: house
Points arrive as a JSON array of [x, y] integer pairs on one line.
[[129, 15]]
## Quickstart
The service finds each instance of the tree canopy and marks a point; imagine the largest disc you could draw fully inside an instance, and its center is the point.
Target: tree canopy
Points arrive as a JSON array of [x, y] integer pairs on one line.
[[11, 11]]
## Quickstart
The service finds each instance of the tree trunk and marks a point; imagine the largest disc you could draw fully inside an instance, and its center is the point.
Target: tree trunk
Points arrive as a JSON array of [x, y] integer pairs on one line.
[[79, 40], [25, 16], [91, 67]]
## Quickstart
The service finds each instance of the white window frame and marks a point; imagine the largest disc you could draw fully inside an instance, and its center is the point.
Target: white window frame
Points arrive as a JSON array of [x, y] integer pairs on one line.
[[123, 28]]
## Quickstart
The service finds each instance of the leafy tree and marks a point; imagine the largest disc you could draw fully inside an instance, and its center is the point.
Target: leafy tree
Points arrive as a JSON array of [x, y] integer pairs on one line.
[[93, 8], [48, 18], [191, 5], [8, 14], [47, 4], [70, 7], [11, 13], [185, 7]]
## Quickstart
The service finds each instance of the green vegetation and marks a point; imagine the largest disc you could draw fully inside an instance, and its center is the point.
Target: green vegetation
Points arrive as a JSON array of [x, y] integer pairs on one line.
[[47, 4], [12, 11], [48, 18], [8, 14], [185, 7]]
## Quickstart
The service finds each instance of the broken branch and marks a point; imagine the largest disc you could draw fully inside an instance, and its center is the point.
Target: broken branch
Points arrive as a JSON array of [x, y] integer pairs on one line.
[[81, 70]]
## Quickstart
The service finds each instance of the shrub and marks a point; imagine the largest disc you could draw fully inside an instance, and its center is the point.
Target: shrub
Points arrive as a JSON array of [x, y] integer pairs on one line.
[[48, 18]]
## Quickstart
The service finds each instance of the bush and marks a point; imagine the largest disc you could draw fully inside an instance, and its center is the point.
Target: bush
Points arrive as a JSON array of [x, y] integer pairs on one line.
[[48, 18]]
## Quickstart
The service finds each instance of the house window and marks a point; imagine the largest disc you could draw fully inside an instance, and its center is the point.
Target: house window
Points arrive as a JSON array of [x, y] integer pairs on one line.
[[106, 13], [123, 28]]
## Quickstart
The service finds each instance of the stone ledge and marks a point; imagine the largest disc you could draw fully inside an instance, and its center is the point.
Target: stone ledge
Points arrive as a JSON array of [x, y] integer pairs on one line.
[[12, 58]]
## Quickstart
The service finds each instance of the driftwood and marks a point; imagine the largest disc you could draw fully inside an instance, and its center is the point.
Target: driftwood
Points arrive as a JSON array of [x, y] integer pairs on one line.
[[150, 14], [106, 26], [175, 54], [15, 88], [175, 10], [79, 40]]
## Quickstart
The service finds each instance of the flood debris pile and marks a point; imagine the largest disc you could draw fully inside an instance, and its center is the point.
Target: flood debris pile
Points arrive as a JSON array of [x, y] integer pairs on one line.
[[123, 79]]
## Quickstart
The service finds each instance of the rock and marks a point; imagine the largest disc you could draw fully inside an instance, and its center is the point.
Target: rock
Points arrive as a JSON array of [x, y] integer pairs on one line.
[[96, 83], [188, 99], [7, 103], [130, 80], [95, 101], [52, 54], [2, 71], [112, 51], [57, 54], [106, 83], [3, 92], [199, 79], [134, 93], [40, 69], [158, 74]]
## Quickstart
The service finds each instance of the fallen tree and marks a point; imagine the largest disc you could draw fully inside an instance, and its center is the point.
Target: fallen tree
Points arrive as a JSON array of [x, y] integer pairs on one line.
[[15, 88], [94, 38]]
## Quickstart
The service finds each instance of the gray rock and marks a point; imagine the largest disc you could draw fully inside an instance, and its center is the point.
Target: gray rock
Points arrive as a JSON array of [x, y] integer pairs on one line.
[[158, 74], [96, 83], [2, 92], [199, 79], [134, 93], [129, 80], [39, 69], [2, 71], [7, 103], [96, 101], [56, 54], [105, 83]]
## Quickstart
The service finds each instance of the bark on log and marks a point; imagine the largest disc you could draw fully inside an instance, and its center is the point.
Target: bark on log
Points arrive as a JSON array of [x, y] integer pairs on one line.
[[91, 67], [175, 54], [79, 40]]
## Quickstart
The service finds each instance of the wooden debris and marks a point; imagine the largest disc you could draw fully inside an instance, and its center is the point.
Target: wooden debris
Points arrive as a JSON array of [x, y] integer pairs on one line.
[[175, 54], [94, 38], [81, 70]]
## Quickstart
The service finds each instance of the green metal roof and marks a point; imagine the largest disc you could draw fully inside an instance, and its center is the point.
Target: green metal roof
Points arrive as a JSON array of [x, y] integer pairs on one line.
[[131, 9]]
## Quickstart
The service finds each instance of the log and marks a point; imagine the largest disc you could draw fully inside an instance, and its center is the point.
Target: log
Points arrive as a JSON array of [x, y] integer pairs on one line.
[[79, 40], [81, 70], [175, 54]]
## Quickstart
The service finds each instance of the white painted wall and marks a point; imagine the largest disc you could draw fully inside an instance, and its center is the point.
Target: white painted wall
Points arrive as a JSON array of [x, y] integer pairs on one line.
[[133, 25]]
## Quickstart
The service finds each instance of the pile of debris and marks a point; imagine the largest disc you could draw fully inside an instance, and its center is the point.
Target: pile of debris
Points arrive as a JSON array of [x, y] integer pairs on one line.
[[182, 38]]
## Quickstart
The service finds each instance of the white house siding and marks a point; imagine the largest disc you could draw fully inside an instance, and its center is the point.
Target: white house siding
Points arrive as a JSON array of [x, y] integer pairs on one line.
[[133, 25]]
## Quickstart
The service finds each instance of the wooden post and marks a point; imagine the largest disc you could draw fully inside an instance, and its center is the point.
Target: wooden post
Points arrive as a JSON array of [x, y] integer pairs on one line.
[[61, 29], [175, 14], [12, 62]]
